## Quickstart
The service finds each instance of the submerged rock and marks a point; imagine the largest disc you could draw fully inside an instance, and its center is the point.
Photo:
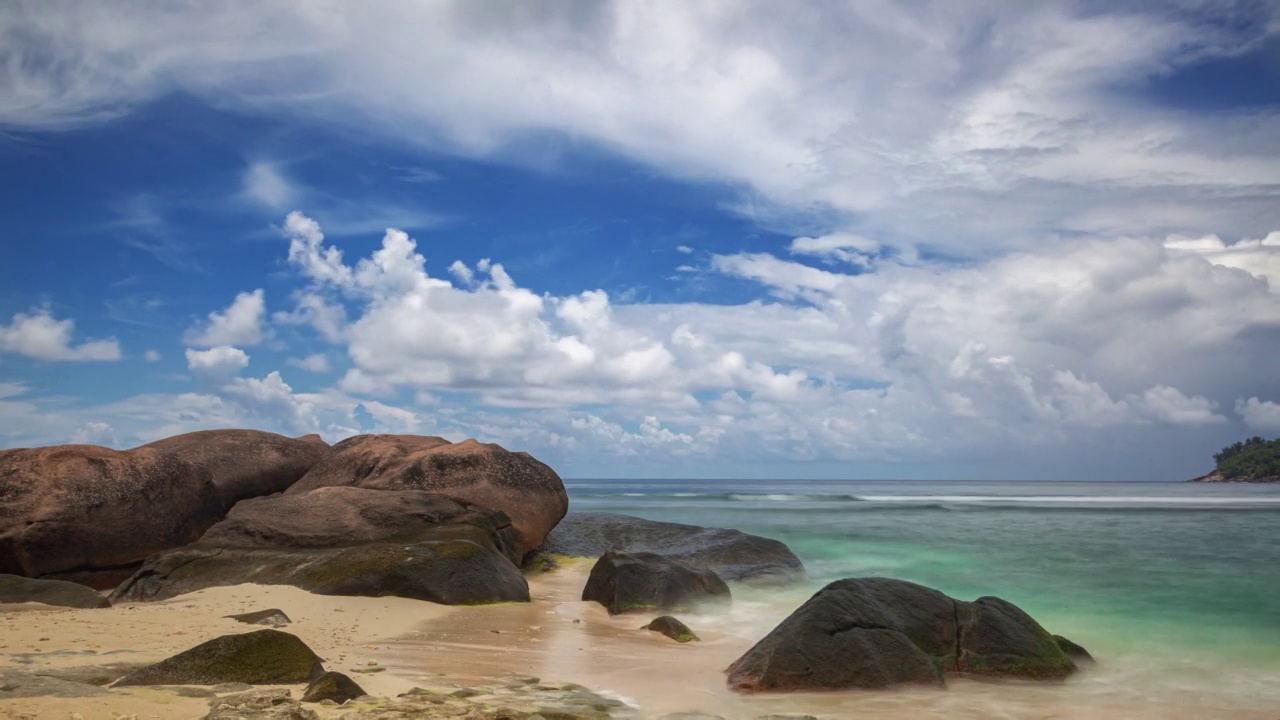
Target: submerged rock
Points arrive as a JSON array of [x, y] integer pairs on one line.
[[879, 632], [645, 581], [731, 554], [672, 628], [332, 686], [263, 657], [347, 541], [83, 512], [483, 474], [18, 589], [246, 463]]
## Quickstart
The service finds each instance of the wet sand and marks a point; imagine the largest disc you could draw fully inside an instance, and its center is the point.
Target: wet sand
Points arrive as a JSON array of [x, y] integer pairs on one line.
[[561, 639]]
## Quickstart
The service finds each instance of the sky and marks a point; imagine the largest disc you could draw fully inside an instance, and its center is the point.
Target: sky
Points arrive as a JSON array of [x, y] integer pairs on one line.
[[929, 239]]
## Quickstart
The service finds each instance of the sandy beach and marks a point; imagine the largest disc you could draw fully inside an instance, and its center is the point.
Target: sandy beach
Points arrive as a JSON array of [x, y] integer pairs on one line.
[[557, 638]]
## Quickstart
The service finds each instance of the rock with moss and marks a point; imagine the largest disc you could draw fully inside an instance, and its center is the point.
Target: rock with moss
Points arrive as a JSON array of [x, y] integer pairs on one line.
[[273, 617], [1076, 652], [733, 555], [997, 638], [624, 582], [347, 541], [672, 628], [873, 633], [332, 686], [18, 589], [264, 657]]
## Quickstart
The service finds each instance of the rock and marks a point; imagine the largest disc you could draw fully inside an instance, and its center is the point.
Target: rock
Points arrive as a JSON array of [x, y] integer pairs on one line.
[[81, 511], [246, 463], [98, 675], [672, 628], [347, 541], [263, 657], [1077, 653], [691, 715], [998, 638], [879, 632], [645, 581], [529, 492], [259, 705], [731, 554], [18, 589], [273, 617], [17, 684], [332, 686]]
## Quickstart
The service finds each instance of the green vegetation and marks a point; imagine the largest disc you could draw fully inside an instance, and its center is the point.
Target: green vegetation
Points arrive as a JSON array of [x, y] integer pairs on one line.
[[1252, 459]]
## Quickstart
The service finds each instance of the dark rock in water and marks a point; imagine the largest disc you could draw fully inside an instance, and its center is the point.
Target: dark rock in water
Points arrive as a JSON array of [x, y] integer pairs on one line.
[[78, 510], [880, 632], [347, 541], [273, 617], [645, 581], [529, 492], [864, 633], [18, 589], [1077, 653], [998, 638], [332, 686], [259, 705], [731, 554], [246, 463], [672, 628], [263, 657]]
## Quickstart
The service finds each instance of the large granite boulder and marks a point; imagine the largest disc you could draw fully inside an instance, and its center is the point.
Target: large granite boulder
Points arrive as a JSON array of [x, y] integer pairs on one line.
[[18, 589], [263, 657], [529, 492], [332, 686], [875, 633], [731, 554], [247, 463], [347, 541], [90, 514], [623, 582]]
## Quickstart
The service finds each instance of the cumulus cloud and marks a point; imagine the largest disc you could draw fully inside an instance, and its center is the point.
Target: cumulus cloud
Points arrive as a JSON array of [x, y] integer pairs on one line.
[[40, 336], [1260, 415], [151, 355], [239, 324], [838, 103], [1260, 257], [216, 365], [316, 363]]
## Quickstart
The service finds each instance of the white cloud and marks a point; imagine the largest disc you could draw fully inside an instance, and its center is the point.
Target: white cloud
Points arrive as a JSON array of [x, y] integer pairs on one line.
[[316, 363], [842, 247], [38, 335], [1169, 405], [684, 249], [1259, 415], [239, 324], [837, 104], [1260, 257], [151, 355], [95, 433], [263, 183], [216, 365]]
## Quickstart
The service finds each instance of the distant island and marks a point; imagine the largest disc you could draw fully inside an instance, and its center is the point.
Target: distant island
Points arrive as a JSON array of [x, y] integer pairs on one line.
[[1252, 460]]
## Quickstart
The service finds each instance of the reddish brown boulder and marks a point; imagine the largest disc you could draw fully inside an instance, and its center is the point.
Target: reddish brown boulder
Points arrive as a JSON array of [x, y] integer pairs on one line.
[[529, 492], [247, 463], [81, 510]]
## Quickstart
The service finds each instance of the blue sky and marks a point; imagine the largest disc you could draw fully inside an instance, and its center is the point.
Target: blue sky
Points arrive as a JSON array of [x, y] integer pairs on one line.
[[874, 240]]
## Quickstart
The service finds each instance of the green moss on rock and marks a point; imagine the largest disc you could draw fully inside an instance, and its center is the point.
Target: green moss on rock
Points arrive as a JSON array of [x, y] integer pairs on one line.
[[265, 657]]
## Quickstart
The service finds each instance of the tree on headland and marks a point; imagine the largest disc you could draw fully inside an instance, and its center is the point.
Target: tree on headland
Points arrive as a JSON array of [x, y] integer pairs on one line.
[[1252, 459]]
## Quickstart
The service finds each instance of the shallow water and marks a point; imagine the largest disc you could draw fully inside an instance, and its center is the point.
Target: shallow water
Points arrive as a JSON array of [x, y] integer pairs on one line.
[[1174, 587]]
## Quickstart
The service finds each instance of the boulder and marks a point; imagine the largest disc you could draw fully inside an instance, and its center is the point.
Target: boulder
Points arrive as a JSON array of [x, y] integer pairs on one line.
[[273, 617], [1077, 653], [332, 686], [878, 632], [21, 684], [246, 463], [997, 638], [263, 657], [672, 628], [258, 705], [733, 555], [529, 492], [347, 541], [623, 582], [18, 589], [83, 512]]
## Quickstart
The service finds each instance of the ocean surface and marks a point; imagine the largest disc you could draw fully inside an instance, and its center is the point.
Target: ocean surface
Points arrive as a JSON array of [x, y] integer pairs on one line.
[[1175, 587]]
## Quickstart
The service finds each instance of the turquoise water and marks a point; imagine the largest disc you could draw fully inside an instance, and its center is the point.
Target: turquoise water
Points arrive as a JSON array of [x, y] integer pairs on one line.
[[1170, 570]]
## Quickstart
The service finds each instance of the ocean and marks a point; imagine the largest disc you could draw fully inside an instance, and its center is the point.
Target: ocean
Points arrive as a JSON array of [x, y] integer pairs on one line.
[[1174, 587]]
